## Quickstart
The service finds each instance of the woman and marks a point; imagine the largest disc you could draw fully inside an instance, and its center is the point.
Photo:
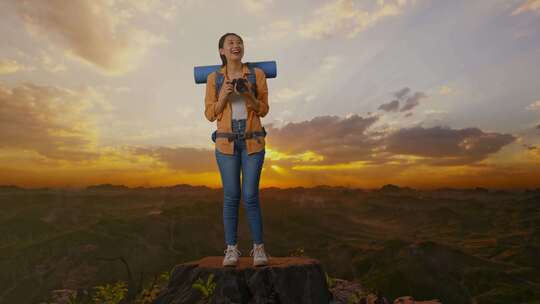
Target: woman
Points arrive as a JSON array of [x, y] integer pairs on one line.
[[239, 113]]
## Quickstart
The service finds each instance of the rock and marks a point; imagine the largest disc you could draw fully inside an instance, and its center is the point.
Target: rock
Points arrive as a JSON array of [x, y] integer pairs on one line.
[[62, 296], [411, 300], [285, 280], [343, 290]]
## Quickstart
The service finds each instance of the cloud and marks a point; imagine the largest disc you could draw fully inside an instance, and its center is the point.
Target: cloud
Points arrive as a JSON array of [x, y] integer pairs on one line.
[[165, 9], [8, 66], [287, 94], [256, 6], [192, 160], [534, 106], [529, 147], [54, 122], [97, 32], [434, 117], [341, 17], [331, 140], [276, 30], [445, 146], [45, 60], [337, 139], [49, 64], [269, 33], [307, 89], [391, 106], [329, 63], [401, 93], [446, 90], [527, 6], [410, 102]]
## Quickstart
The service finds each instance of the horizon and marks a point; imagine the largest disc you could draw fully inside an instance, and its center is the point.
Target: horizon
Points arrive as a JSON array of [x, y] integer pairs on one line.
[[416, 93], [86, 187]]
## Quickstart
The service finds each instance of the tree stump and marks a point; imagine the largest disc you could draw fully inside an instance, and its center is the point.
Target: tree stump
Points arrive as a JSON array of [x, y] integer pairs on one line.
[[285, 280]]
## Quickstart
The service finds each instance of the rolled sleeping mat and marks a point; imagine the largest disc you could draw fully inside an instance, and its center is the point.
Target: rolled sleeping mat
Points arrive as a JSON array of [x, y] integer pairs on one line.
[[201, 72]]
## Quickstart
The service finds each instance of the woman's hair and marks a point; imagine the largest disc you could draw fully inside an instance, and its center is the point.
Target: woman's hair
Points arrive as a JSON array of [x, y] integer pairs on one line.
[[220, 45]]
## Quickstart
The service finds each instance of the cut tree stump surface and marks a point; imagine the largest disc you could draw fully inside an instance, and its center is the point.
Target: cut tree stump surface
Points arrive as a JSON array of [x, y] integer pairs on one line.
[[247, 262]]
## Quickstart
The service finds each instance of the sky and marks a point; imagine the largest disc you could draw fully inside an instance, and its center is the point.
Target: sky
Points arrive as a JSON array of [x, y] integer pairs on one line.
[[417, 93]]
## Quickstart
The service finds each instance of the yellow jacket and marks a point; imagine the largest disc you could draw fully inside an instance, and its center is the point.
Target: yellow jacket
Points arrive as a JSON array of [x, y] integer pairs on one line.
[[224, 118]]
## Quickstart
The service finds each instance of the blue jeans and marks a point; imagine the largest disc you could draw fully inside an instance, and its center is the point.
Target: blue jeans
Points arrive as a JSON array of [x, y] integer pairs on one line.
[[230, 167]]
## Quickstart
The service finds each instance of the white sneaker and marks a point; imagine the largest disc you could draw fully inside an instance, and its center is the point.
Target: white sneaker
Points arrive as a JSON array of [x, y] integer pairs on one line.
[[231, 255], [259, 256]]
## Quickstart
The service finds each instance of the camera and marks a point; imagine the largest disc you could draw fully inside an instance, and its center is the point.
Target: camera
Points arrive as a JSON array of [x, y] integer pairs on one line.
[[240, 85]]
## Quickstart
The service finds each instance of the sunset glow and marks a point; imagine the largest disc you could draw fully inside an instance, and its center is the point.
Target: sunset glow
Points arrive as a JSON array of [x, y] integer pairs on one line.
[[421, 93]]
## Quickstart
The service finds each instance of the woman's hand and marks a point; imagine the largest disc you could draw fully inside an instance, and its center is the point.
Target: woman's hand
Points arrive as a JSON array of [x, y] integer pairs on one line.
[[226, 89], [248, 95]]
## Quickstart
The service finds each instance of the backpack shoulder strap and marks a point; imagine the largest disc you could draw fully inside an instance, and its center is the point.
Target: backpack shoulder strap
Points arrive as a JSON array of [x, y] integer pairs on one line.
[[252, 78], [219, 82]]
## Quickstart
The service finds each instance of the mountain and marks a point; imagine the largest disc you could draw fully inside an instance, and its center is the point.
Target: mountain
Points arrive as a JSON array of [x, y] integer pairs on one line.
[[454, 245]]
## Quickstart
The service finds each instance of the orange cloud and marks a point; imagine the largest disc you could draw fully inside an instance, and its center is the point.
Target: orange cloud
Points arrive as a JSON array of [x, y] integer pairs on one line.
[[97, 32], [337, 140], [10, 66], [342, 17], [354, 142], [527, 6], [49, 120], [185, 159]]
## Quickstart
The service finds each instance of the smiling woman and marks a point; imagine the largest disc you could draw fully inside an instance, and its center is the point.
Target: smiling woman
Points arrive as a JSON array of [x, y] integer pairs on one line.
[[240, 146]]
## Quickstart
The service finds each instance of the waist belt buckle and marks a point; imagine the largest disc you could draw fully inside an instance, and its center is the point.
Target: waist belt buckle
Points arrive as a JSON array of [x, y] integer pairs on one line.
[[236, 136], [240, 136]]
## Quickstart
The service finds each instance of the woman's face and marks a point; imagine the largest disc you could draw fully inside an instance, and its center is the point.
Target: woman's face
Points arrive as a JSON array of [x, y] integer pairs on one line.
[[233, 48]]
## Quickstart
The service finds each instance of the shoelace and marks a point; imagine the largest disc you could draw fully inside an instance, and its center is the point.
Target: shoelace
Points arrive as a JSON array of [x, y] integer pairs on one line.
[[259, 251], [232, 250]]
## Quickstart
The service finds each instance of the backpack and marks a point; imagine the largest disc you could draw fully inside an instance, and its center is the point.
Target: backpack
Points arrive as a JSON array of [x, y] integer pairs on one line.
[[251, 78], [253, 81]]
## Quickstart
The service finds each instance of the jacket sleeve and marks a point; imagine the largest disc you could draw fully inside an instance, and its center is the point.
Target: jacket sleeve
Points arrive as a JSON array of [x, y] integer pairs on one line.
[[262, 93], [210, 99]]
